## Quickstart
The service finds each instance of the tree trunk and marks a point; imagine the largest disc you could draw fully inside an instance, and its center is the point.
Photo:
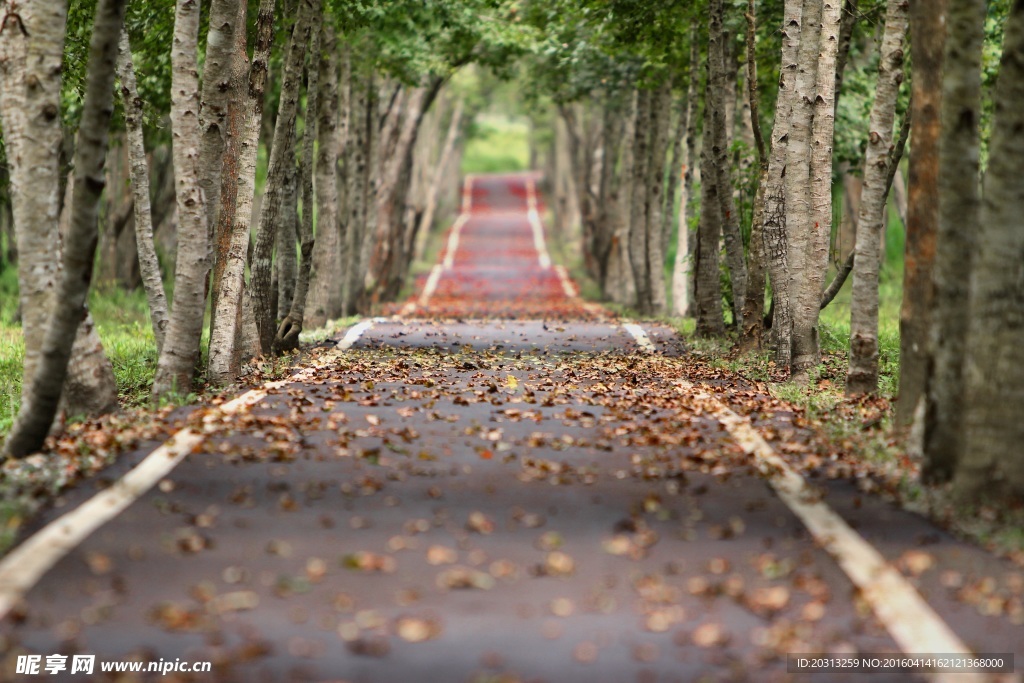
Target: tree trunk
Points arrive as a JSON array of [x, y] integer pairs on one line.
[[928, 31], [284, 240], [177, 363], [441, 170], [661, 120], [991, 467], [281, 160], [290, 328], [721, 132], [681, 268], [862, 376], [152, 279], [324, 294], [753, 308], [775, 235], [362, 121], [638, 205], [220, 88], [368, 229], [959, 218], [227, 321], [40, 400], [709, 230]]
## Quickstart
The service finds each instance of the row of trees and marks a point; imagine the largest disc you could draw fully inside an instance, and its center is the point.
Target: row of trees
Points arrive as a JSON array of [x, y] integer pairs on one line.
[[337, 94], [745, 96]]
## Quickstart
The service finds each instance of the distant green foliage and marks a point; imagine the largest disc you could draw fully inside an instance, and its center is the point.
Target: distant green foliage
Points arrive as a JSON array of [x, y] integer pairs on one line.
[[497, 144]]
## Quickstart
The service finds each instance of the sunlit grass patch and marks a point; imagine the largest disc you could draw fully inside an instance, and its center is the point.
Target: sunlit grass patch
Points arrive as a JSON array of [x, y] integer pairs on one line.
[[497, 144]]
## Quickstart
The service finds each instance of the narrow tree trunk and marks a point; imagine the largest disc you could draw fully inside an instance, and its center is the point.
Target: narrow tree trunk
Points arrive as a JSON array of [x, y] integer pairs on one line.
[[753, 308], [152, 279], [776, 242], [959, 211], [361, 120], [177, 363], [661, 119], [638, 205], [622, 287], [722, 129], [285, 262], [370, 216], [324, 294], [862, 376], [440, 171], [281, 158], [709, 230], [290, 328], [681, 269], [227, 321], [40, 400], [991, 467], [928, 32]]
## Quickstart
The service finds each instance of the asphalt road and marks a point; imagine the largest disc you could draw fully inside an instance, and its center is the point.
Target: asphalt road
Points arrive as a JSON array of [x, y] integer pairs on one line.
[[494, 487]]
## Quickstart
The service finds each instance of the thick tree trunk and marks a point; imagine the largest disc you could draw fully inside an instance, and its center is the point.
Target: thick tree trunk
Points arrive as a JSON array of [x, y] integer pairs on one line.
[[959, 217], [661, 120], [638, 205], [798, 181], [290, 328], [40, 400], [862, 376], [928, 31], [220, 88], [324, 293], [227, 321], [281, 160], [991, 467], [177, 363], [152, 279]]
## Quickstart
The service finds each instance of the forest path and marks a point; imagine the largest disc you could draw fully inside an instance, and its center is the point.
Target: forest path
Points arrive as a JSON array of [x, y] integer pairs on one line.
[[507, 484]]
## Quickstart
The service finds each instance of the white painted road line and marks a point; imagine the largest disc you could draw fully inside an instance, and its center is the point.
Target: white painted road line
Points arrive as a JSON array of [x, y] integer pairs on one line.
[[453, 240], [22, 568], [910, 620], [640, 336], [567, 286]]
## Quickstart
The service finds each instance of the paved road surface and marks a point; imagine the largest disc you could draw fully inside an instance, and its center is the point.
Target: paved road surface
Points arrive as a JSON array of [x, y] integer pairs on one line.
[[495, 487]]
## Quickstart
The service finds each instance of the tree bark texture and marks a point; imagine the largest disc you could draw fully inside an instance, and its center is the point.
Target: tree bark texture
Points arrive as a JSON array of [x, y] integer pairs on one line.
[[324, 293], [928, 32], [41, 399], [152, 278], [709, 230], [991, 466], [638, 205], [227, 321], [286, 262], [218, 91], [959, 216], [799, 208], [753, 307], [682, 267], [775, 232], [362, 121], [177, 363], [862, 375], [282, 159], [290, 328], [721, 176], [660, 124]]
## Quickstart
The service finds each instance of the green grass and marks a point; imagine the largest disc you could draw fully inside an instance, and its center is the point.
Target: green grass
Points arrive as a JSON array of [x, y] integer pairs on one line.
[[497, 144], [122, 320]]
